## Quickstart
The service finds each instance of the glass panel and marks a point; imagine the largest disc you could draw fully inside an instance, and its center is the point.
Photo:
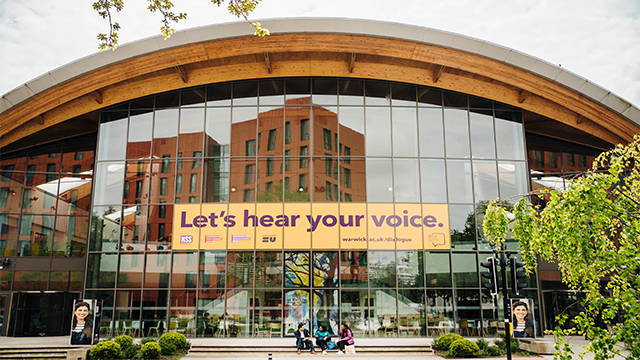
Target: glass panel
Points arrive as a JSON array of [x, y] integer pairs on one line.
[[383, 318], [465, 270], [271, 92], [191, 175], [131, 268], [468, 312], [35, 235], [6, 281], [406, 180], [431, 132], [136, 182], [437, 269], [379, 183], [169, 99], [377, 93], [113, 135], [243, 131], [191, 129], [101, 270], [211, 313], [165, 132], [184, 270], [71, 236], [242, 180], [163, 176], [140, 126], [127, 315], [269, 267], [452, 99], [382, 267], [218, 132], [482, 144], [459, 181], [105, 228], [144, 103], [296, 310], [439, 312], [429, 97], [66, 280], [216, 187], [240, 269], [182, 312], [134, 228], [485, 181], [11, 191], [296, 269], [8, 234], [378, 139], [193, 97], [411, 312], [509, 135], [157, 270], [352, 180], [355, 308], [478, 103], [325, 91], [159, 227], [325, 269], [271, 131], [212, 269], [434, 181], [326, 310], [463, 227], [325, 179], [108, 297], [154, 312], [30, 280], [456, 125], [270, 173], [351, 121], [267, 316], [297, 179], [403, 95], [245, 93], [405, 132], [351, 92], [40, 193], [238, 315], [353, 269], [298, 88], [219, 95], [12, 163], [410, 269], [75, 194], [109, 182], [513, 180]]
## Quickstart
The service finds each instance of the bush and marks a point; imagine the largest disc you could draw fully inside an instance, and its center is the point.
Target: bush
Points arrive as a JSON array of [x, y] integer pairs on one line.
[[131, 352], [146, 340], [150, 350], [168, 349], [464, 348], [178, 340], [482, 343], [445, 340], [493, 351], [501, 343], [124, 341], [105, 350]]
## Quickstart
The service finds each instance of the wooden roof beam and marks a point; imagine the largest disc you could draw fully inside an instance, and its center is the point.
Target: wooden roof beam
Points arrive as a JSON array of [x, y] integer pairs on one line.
[[437, 73], [581, 119], [97, 96], [523, 96], [268, 62], [352, 62], [183, 73], [39, 120]]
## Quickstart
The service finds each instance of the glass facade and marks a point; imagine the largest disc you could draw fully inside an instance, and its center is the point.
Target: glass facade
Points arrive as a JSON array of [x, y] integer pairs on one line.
[[295, 144]]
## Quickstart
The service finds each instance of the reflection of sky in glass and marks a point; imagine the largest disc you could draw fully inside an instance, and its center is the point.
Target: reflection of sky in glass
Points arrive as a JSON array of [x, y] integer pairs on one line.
[[140, 127], [352, 117], [191, 121], [166, 123]]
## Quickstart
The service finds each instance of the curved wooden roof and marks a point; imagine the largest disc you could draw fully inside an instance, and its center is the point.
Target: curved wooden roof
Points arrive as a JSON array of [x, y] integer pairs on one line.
[[317, 47]]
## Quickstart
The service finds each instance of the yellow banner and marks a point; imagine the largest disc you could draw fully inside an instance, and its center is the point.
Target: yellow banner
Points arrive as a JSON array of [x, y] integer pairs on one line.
[[268, 226]]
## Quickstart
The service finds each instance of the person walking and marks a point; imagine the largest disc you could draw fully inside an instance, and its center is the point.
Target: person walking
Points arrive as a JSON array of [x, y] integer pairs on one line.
[[345, 338], [303, 338], [322, 338]]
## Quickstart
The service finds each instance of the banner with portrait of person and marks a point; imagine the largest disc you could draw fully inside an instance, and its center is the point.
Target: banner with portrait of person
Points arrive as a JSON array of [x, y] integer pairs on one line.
[[85, 322], [523, 322]]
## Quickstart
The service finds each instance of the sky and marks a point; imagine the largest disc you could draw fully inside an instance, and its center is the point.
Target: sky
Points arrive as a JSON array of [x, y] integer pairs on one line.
[[597, 39]]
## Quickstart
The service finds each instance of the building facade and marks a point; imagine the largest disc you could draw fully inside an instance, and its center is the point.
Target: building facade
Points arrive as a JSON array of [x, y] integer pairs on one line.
[[337, 171]]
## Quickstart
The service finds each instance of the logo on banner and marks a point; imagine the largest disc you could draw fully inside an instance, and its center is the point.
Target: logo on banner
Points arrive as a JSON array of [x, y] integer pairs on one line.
[[186, 239], [212, 238], [269, 238], [238, 238]]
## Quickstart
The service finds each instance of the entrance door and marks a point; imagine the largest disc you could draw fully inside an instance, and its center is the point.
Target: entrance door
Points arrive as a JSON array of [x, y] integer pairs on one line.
[[3, 311], [38, 314]]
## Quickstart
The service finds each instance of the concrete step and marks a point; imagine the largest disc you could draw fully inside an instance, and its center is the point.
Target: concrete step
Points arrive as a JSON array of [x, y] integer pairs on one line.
[[278, 349], [43, 353]]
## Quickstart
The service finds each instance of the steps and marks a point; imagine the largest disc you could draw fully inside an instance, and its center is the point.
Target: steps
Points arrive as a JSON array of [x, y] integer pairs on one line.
[[201, 350], [44, 353]]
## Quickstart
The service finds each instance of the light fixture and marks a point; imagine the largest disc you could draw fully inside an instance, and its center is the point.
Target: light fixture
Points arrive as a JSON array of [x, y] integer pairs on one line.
[[233, 189], [390, 188]]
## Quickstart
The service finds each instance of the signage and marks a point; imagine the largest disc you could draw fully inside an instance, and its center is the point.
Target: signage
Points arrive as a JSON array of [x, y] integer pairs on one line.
[[351, 226]]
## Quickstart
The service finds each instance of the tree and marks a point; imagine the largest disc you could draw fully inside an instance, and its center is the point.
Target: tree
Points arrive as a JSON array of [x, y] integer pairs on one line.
[[105, 8], [592, 230]]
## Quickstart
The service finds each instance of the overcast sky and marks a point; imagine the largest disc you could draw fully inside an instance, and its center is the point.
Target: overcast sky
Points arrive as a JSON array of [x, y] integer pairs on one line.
[[596, 39]]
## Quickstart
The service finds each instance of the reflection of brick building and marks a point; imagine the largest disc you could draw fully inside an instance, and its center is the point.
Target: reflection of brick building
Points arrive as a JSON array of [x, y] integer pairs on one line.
[[305, 132]]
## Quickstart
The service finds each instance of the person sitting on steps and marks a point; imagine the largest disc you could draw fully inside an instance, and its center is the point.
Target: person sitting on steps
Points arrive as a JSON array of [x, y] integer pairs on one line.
[[345, 338], [303, 338], [322, 338]]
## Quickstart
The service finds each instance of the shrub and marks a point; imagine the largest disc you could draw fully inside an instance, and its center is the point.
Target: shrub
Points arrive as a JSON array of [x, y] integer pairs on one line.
[[178, 340], [131, 352], [105, 350], [445, 340], [168, 349], [493, 351], [482, 343], [146, 340], [464, 348], [124, 341], [502, 343], [150, 350]]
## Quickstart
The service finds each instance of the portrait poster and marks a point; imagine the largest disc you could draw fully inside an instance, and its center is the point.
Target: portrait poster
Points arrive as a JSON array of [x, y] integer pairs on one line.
[[523, 322], [85, 322]]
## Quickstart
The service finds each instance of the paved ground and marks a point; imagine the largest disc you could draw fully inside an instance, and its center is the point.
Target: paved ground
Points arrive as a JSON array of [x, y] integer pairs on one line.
[[577, 343]]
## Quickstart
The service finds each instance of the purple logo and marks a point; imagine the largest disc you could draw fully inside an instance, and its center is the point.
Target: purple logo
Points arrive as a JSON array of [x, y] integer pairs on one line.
[[186, 239]]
